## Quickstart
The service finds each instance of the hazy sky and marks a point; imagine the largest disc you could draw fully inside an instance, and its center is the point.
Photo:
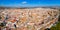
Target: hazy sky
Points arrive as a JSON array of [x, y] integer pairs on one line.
[[29, 3]]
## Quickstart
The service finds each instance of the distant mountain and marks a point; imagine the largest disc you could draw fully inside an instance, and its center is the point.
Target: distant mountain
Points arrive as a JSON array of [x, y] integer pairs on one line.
[[52, 7]]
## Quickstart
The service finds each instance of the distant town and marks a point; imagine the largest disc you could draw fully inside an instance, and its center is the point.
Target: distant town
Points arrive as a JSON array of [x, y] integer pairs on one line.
[[32, 18]]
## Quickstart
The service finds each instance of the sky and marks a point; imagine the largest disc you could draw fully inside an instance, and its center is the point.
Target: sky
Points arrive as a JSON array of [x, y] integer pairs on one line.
[[29, 3]]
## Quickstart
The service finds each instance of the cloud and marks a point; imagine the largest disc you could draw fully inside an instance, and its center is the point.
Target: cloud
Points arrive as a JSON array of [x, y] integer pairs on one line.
[[24, 2]]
